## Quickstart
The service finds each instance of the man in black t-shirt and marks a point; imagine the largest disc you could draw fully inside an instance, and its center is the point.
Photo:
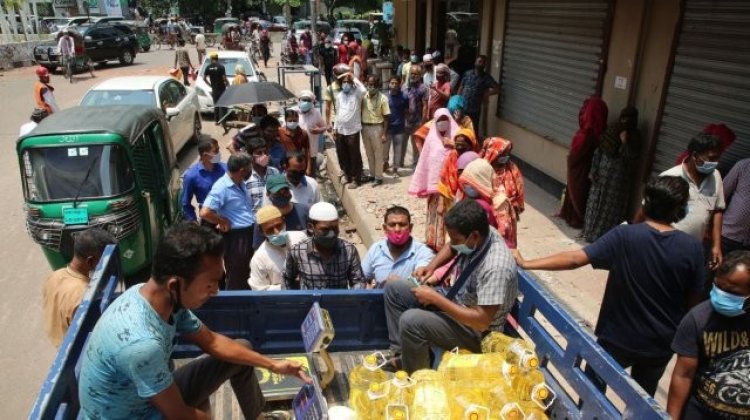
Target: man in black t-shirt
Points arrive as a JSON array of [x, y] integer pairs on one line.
[[711, 379], [655, 276], [216, 77]]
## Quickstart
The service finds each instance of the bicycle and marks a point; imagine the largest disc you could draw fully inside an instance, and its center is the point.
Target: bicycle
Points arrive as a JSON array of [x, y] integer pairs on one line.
[[67, 64]]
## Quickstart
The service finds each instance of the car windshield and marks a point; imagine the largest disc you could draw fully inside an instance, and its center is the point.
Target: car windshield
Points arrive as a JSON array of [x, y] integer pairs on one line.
[[229, 64], [85, 171], [119, 97]]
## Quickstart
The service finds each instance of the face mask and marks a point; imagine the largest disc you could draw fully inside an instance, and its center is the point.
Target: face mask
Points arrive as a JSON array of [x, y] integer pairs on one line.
[[395, 91], [462, 249], [216, 158], [305, 106], [295, 176], [470, 191], [502, 160], [372, 91], [707, 167], [325, 241], [442, 126], [479, 68], [292, 125], [280, 239], [261, 161], [413, 58], [398, 238], [727, 304], [346, 87], [280, 200], [328, 45]]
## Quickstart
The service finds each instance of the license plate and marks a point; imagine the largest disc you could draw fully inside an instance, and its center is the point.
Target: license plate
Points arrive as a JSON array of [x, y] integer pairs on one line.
[[77, 216], [45, 57]]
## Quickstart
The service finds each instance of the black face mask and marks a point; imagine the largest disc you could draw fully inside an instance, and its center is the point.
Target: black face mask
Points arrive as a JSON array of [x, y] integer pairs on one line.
[[326, 240], [280, 200], [295, 176], [479, 68]]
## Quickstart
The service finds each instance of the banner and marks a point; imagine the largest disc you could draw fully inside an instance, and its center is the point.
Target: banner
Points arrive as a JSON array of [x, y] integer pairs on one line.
[[388, 12], [113, 7]]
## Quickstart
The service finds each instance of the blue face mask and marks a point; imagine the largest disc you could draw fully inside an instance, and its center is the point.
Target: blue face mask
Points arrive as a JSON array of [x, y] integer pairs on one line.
[[727, 304], [470, 191], [305, 106], [462, 249], [280, 239], [346, 87], [292, 125], [707, 167]]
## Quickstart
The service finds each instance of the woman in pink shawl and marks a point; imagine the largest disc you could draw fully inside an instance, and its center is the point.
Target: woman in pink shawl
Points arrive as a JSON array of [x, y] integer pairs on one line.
[[424, 183]]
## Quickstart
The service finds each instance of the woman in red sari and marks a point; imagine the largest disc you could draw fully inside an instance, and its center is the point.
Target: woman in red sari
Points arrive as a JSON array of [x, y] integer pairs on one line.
[[507, 185], [592, 121]]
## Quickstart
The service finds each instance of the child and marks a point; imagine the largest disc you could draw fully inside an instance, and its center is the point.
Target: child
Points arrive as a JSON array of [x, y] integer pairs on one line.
[[711, 379]]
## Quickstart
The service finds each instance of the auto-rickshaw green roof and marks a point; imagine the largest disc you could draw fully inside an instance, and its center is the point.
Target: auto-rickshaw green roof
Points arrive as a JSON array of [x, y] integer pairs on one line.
[[126, 120]]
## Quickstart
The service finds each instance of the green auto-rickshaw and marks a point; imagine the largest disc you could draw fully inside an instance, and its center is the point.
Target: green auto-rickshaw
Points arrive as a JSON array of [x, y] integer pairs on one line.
[[141, 33], [112, 167]]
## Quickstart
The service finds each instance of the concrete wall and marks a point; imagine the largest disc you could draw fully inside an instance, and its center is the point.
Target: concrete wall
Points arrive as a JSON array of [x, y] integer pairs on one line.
[[17, 54]]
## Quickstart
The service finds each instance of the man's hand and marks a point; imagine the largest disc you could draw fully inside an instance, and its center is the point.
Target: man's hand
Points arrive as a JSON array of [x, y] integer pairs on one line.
[[224, 225], [519, 258], [288, 367], [716, 257], [426, 295], [382, 138], [426, 276]]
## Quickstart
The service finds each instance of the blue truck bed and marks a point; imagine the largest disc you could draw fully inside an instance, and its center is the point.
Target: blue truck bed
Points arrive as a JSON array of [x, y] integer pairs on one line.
[[271, 321]]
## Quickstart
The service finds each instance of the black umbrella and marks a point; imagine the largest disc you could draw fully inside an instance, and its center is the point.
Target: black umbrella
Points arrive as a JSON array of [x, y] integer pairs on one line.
[[252, 93]]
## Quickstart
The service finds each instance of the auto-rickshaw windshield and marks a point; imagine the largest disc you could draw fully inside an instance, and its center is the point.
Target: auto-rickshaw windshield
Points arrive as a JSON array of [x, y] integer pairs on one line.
[[76, 171]]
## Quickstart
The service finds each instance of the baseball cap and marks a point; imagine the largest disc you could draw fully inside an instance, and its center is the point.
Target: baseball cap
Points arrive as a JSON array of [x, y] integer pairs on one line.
[[276, 182]]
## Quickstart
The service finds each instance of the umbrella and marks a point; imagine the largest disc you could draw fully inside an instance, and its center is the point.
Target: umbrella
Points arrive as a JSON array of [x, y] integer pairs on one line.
[[252, 93]]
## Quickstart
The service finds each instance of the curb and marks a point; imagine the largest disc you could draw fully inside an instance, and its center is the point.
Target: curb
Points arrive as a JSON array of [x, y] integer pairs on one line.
[[364, 221]]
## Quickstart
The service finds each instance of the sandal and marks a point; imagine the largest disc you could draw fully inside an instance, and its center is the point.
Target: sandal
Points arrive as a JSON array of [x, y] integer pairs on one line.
[[393, 364]]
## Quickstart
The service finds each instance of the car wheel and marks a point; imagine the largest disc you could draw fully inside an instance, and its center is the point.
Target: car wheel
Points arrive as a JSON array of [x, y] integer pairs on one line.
[[126, 57], [145, 49], [197, 125]]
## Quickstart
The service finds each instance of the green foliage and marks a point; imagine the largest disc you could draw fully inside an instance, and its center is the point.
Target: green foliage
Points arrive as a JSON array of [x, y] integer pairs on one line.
[[291, 3]]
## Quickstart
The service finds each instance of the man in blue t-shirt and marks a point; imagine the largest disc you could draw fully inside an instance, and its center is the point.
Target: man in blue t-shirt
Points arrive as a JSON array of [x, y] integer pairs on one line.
[[398, 102], [125, 372], [200, 177], [655, 277]]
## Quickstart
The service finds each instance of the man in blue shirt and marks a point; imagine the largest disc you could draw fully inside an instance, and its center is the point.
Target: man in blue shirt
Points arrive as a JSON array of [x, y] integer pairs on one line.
[[228, 208], [476, 86], [398, 102], [655, 277], [125, 371], [200, 177], [397, 256], [269, 130]]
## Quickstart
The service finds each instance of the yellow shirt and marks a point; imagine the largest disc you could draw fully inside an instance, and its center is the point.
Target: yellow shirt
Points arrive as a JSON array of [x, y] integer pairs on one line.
[[375, 109], [61, 295], [329, 95]]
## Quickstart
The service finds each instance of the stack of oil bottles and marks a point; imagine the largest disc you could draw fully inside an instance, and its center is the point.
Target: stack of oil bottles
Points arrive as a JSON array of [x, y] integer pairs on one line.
[[504, 382]]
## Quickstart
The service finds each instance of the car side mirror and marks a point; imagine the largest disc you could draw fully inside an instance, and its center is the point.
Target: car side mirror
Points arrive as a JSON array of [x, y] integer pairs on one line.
[[172, 112]]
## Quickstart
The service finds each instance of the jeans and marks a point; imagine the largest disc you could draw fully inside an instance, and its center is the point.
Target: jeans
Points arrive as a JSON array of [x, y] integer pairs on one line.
[[201, 377], [399, 146], [414, 150], [645, 370], [218, 111], [372, 139], [412, 329]]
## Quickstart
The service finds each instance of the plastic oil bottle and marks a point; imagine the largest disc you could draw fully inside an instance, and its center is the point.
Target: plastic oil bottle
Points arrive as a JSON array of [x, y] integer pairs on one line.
[[533, 412], [431, 400], [362, 376], [517, 351], [530, 387], [504, 403], [377, 396]]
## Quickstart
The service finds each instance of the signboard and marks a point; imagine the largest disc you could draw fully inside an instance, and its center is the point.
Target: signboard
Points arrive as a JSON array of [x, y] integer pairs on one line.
[[76, 216], [388, 12], [113, 7], [64, 4]]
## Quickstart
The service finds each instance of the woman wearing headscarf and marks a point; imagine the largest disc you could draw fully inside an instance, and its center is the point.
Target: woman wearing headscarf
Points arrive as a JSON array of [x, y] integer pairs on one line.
[[475, 182], [463, 141], [239, 75], [456, 107], [592, 121], [424, 183], [507, 184], [611, 177]]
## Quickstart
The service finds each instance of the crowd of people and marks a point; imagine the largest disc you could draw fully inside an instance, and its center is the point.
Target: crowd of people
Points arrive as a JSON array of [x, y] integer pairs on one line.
[[261, 224]]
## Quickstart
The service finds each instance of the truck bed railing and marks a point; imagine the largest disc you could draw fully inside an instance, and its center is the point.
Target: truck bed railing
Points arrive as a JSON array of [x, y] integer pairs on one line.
[[271, 322]]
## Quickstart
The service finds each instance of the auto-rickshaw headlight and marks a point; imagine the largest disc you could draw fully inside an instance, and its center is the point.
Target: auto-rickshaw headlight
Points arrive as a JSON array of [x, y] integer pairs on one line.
[[121, 204], [33, 212]]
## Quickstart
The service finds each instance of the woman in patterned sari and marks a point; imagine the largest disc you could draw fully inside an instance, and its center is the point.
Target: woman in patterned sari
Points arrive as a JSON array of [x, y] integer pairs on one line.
[[507, 185]]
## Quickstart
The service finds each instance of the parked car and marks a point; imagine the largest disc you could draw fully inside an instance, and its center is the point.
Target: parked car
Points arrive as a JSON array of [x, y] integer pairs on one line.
[[302, 25], [229, 59], [220, 22], [179, 103], [141, 33], [350, 32], [362, 25], [279, 24], [102, 43]]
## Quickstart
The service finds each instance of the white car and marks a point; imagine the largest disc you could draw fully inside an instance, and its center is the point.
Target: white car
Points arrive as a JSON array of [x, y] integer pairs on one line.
[[179, 103], [229, 59]]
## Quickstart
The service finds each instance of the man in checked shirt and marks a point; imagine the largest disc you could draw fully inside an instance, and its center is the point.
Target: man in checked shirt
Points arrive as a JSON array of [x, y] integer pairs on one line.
[[323, 261]]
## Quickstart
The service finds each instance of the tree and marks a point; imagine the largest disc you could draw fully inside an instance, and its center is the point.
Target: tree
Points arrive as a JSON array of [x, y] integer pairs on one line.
[[287, 8]]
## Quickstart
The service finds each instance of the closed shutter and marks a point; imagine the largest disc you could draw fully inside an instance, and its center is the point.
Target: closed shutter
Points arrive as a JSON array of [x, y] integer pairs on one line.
[[710, 80], [551, 61]]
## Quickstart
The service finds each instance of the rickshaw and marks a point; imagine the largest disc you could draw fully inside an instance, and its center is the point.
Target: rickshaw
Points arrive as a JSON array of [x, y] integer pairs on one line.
[[229, 41], [141, 33], [80, 62]]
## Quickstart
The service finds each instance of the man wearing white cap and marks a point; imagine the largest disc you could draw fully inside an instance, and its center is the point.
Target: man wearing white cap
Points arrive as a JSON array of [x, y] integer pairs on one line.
[[323, 261], [268, 261], [311, 121], [428, 68]]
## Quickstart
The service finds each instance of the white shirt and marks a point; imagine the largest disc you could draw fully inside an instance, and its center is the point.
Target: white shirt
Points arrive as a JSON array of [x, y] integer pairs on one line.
[[310, 120], [349, 109], [268, 263], [704, 200], [307, 192], [26, 128], [66, 46], [200, 42]]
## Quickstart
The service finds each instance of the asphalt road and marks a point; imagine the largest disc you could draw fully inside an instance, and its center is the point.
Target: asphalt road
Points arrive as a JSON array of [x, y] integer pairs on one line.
[[25, 351]]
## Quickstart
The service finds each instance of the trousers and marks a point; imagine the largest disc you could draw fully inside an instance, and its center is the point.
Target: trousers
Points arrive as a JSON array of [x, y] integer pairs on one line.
[[350, 157], [372, 139], [646, 371], [399, 149], [201, 377], [412, 329], [238, 250]]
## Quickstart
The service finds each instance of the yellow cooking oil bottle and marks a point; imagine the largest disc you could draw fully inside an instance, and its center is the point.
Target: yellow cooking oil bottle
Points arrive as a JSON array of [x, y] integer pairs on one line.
[[400, 397], [362, 376], [531, 387], [377, 396], [503, 402], [396, 412], [517, 351], [534, 412], [431, 398], [479, 369], [469, 403]]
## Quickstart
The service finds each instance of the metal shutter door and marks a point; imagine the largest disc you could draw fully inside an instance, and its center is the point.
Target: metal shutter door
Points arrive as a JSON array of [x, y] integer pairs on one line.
[[710, 81], [551, 61]]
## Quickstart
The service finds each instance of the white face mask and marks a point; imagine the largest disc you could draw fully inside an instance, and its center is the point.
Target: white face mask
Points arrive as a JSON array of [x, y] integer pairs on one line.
[[216, 158], [442, 126]]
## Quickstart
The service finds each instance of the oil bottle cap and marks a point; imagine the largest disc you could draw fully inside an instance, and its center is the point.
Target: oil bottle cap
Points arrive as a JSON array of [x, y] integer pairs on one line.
[[402, 375], [542, 393], [375, 387], [399, 415], [533, 362], [473, 415], [371, 361]]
